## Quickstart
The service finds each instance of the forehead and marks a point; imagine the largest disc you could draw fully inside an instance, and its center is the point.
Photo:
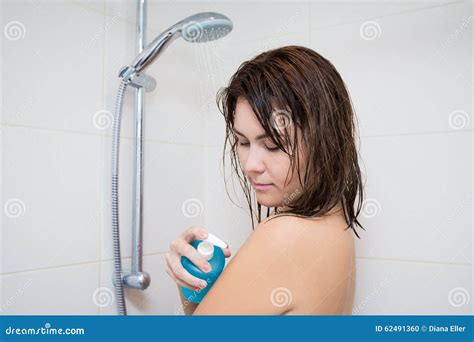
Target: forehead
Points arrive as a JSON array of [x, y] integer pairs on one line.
[[246, 122], [245, 118]]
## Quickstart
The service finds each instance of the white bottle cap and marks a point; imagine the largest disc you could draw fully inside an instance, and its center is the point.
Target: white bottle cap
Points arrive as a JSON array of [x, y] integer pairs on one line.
[[216, 241], [206, 249]]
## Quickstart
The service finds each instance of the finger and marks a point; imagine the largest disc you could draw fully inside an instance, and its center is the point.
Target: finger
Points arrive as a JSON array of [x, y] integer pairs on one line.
[[227, 252], [178, 281], [193, 233], [180, 272], [192, 254]]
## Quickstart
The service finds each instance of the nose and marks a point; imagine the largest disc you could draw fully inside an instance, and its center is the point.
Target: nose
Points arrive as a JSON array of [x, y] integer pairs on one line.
[[254, 162]]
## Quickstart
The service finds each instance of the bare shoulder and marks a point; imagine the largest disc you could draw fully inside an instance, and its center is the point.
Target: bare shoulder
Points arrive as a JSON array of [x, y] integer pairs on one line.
[[319, 232], [288, 265], [323, 253]]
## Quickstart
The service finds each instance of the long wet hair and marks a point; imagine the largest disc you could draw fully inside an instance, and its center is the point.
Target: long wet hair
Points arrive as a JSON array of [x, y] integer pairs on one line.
[[294, 85]]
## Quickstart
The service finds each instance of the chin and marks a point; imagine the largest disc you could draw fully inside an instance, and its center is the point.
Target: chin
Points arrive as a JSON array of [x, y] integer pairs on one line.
[[267, 202]]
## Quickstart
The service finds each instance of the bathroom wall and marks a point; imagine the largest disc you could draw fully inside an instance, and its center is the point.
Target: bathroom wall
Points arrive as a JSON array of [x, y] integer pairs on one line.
[[408, 67]]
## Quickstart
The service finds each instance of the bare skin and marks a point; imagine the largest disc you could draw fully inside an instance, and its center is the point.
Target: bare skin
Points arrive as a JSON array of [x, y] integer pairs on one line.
[[288, 265]]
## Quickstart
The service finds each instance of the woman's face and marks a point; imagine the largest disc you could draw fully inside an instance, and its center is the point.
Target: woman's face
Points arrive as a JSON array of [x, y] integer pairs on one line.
[[262, 161]]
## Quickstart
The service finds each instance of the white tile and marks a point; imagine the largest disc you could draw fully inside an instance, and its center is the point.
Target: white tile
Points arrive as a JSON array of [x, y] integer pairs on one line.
[[51, 198], [95, 5], [59, 291], [418, 198], [160, 298], [2, 213], [188, 78], [252, 20], [406, 288], [119, 52], [173, 179], [55, 72], [259, 20], [174, 110], [413, 76], [231, 222], [326, 13]]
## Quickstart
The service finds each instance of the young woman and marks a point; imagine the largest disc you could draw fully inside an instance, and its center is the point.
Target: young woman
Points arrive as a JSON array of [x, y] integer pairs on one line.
[[290, 125]]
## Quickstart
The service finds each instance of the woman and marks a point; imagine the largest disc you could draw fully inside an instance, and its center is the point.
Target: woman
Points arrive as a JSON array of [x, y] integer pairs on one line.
[[290, 125]]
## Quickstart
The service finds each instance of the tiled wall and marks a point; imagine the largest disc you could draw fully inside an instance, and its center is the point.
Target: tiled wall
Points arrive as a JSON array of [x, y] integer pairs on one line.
[[408, 67]]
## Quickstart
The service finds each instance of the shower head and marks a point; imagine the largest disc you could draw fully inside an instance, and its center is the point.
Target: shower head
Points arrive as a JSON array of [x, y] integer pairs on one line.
[[204, 27], [200, 27]]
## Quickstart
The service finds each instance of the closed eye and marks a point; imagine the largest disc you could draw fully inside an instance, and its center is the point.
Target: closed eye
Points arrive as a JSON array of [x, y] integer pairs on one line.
[[271, 149]]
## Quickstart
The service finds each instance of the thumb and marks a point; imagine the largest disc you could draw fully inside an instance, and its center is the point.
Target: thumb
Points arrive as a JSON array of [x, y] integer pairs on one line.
[[226, 251]]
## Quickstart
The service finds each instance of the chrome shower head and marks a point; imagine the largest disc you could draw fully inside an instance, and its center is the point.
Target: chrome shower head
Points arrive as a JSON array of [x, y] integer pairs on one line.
[[204, 27], [200, 27]]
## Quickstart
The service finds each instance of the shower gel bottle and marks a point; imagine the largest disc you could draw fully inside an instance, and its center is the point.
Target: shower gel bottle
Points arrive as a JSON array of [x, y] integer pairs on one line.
[[210, 249]]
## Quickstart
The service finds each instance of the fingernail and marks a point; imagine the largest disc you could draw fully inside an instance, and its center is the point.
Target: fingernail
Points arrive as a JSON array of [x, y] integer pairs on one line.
[[203, 284], [207, 268]]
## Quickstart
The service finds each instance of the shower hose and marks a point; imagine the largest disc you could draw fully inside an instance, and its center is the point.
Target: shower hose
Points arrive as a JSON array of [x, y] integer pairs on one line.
[[122, 310]]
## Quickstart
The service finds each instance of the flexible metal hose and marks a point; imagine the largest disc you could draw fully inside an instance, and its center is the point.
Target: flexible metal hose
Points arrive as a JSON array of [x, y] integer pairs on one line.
[[122, 310]]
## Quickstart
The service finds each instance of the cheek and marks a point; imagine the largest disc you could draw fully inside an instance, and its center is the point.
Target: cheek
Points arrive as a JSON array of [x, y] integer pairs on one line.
[[242, 155], [279, 168]]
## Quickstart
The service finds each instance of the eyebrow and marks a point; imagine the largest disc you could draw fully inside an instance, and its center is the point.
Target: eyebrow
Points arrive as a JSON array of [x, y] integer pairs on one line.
[[259, 137]]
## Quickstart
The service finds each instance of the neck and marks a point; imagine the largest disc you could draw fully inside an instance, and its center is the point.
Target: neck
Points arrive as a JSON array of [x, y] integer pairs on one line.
[[335, 210]]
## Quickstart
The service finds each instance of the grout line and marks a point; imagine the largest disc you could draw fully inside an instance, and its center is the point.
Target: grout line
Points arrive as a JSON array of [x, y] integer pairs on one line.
[[411, 261], [169, 142], [389, 15], [56, 130], [101, 235], [451, 3], [450, 131]]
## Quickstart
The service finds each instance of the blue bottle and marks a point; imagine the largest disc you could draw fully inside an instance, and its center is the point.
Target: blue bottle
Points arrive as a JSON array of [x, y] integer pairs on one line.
[[211, 251]]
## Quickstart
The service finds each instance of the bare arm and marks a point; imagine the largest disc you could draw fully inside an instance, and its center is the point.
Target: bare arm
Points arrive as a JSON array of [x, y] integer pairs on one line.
[[182, 247], [276, 268], [247, 284]]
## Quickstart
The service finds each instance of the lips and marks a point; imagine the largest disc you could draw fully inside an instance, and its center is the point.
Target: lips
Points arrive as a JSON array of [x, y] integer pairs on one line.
[[260, 184]]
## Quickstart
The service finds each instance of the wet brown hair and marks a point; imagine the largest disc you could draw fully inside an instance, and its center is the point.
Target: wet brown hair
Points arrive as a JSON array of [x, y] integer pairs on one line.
[[294, 85]]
